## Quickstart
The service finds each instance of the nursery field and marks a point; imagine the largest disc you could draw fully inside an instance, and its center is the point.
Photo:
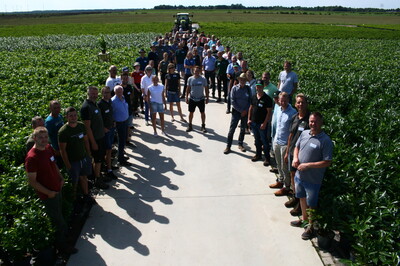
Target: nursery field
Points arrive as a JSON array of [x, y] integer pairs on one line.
[[353, 82]]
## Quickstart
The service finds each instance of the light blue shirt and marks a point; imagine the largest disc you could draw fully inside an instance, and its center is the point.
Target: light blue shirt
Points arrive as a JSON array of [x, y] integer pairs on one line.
[[283, 125], [209, 63], [120, 109]]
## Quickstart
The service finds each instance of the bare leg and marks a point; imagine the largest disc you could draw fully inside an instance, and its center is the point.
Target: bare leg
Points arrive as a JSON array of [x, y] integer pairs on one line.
[[171, 109], [190, 117], [84, 184], [153, 121], [203, 118], [108, 159], [162, 121], [178, 104], [303, 204]]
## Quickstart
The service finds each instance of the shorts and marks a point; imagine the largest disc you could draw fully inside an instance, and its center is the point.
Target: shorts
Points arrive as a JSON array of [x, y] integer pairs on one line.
[[157, 108], [307, 190], [173, 97], [98, 156], [180, 67], [201, 104], [80, 168], [109, 138]]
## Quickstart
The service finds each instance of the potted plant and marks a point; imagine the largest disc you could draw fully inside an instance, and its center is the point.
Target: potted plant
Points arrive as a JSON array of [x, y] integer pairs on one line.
[[103, 44]]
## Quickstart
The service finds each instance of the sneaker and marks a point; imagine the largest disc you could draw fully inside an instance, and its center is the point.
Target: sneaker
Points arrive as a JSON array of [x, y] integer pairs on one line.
[[172, 119], [266, 162], [228, 111], [242, 148], [255, 158], [164, 134], [227, 150], [291, 203], [101, 185], [130, 144], [274, 170], [155, 134], [112, 175], [203, 129], [147, 123], [297, 223], [308, 233], [189, 128], [276, 185], [183, 120], [282, 192], [296, 211]]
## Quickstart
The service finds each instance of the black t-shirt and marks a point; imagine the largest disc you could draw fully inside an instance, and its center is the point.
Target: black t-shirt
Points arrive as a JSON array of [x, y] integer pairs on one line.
[[173, 81], [260, 108], [128, 94], [297, 127], [90, 111], [106, 113]]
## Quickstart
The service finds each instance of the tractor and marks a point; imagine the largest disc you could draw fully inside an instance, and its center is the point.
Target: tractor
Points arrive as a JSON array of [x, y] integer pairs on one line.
[[183, 23]]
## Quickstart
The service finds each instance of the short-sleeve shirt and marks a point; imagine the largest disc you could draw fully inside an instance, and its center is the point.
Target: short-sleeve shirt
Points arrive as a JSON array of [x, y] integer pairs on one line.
[[180, 56], [143, 61], [106, 113], [221, 67], [313, 149], [43, 163], [137, 77], [189, 62], [197, 87], [283, 125], [90, 111], [156, 93], [112, 82], [260, 108], [120, 109], [173, 81], [287, 81], [73, 137], [209, 63], [296, 128], [128, 93], [164, 67], [53, 124]]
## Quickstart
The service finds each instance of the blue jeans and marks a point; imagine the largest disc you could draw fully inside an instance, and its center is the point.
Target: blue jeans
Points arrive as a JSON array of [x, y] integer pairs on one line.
[[236, 117], [260, 140], [122, 131]]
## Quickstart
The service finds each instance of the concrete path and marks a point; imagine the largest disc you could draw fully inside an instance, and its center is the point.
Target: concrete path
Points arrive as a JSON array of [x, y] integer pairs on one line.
[[183, 202]]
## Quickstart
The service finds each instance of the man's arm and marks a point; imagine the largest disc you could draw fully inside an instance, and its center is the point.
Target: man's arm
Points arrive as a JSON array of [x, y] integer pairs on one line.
[[188, 88], [207, 93], [319, 164], [249, 114], [285, 158], [64, 155], [295, 86], [296, 162], [90, 135], [39, 187], [267, 118]]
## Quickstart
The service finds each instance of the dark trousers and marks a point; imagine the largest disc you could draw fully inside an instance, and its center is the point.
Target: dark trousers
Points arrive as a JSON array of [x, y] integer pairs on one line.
[[260, 140], [122, 131], [236, 117], [222, 81], [53, 209], [210, 77]]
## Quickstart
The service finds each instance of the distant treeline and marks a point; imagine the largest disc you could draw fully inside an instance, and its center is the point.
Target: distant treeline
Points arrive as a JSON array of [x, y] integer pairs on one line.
[[293, 8]]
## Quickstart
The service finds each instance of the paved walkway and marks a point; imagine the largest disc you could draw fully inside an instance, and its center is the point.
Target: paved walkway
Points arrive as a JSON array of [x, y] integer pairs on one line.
[[183, 202]]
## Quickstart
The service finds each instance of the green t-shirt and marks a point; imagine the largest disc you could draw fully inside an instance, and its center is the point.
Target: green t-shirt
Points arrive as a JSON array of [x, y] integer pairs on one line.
[[73, 136]]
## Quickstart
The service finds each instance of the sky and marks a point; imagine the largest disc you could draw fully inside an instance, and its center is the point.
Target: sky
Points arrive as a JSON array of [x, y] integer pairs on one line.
[[31, 5]]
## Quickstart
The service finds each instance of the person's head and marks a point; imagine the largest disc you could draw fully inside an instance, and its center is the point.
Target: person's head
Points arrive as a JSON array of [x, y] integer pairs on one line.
[[239, 55], [148, 70], [227, 49], [218, 42], [283, 99], [301, 102], [155, 80], [275, 96], [315, 122], [119, 91], [287, 66], [189, 55], [136, 65], [209, 53], [151, 63], [242, 79], [55, 107], [220, 54], [106, 93], [113, 71], [41, 137], [124, 78], [244, 65], [250, 75], [165, 56], [171, 68], [142, 52], [153, 47], [71, 115], [198, 43], [93, 93], [259, 86], [206, 47], [234, 59], [37, 121], [236, 67], [195, 51], [125, 70], [266, 76], [197, 71], [213, 47]]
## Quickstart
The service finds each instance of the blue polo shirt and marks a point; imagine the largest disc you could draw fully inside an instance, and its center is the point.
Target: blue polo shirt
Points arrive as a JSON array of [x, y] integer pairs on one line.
[[120, 109], [189, 62], [209, 63], [284, 119]]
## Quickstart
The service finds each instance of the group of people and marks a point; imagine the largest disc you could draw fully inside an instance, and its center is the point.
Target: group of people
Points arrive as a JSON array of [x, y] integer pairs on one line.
[[294, 137]]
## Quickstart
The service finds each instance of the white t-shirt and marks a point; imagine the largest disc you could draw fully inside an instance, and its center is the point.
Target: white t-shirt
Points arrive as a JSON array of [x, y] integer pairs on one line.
[[145, 82], [112, 82], [156, 93], [287, 81]]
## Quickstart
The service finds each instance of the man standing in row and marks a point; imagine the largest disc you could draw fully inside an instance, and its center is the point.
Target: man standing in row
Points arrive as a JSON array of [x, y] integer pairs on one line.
[[240, 99], [197, 89], [284, 115], [259, 117], [288, 81], [113, 80], [45, 177], [312, 155], [91, 117], [221, 66], [209, 70]]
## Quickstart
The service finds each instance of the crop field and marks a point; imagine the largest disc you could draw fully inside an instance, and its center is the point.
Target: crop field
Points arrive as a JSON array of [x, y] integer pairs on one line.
[[354, 82]]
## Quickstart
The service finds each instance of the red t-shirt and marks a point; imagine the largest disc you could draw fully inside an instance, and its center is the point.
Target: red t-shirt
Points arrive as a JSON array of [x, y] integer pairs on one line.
[[43, 163], [137, 76]]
